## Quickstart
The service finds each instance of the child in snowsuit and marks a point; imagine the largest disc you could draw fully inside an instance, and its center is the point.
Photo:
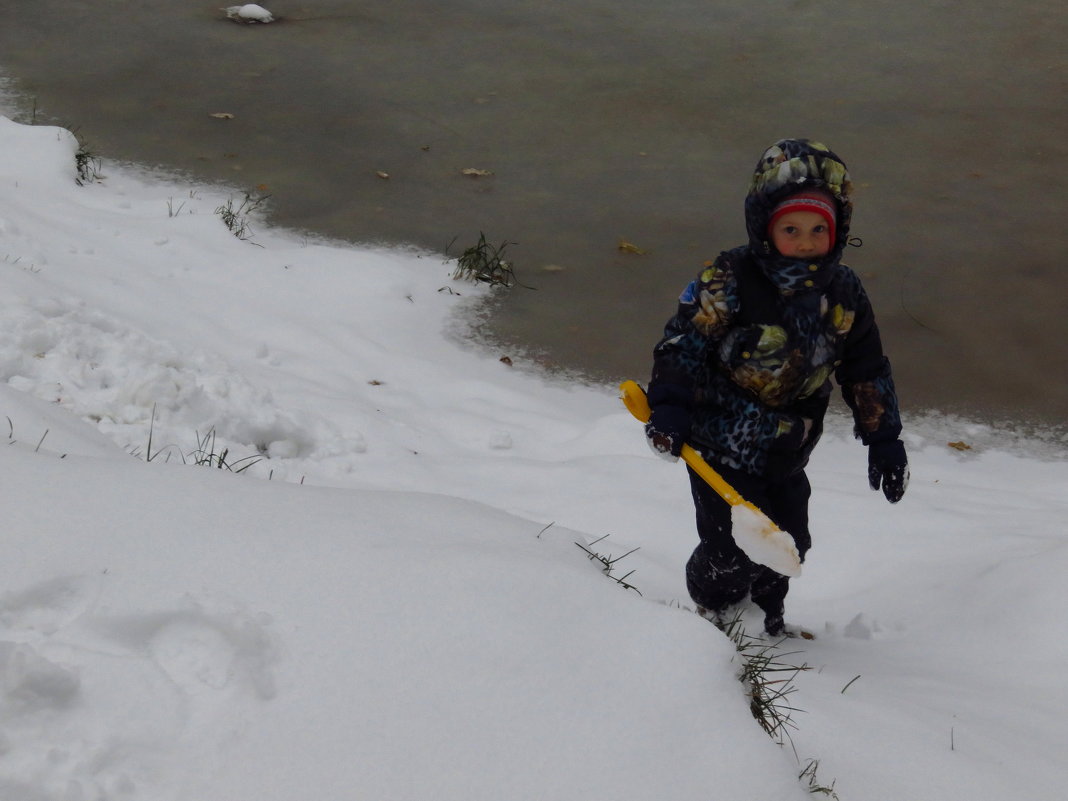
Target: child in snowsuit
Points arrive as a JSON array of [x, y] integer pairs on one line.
[[743, 371]]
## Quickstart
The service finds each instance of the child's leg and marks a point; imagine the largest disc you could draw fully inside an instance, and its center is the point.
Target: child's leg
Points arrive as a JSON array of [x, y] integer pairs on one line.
[[787, 504], [718, 573]]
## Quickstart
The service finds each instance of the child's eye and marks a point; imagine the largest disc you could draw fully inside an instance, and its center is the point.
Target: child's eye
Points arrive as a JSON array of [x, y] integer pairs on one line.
[[790, 229], [820, 229]]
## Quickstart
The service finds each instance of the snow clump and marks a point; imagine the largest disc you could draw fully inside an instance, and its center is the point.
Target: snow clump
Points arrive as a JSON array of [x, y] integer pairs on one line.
[[249, 13]]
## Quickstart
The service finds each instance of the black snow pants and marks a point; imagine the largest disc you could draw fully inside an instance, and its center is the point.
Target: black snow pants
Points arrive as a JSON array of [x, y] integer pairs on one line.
[[719, 573]]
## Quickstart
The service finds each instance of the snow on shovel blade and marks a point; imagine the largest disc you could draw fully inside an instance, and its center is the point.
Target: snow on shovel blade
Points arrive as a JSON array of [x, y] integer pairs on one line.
[[763, 541], [753, 531]]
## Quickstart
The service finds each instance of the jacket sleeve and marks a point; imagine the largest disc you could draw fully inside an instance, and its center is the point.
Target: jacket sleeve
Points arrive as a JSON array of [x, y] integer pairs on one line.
[[681, 354], [865, 376], [677, 354]]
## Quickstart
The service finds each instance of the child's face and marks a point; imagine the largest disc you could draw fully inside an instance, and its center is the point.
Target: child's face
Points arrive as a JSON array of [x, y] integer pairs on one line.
[[801, 235]]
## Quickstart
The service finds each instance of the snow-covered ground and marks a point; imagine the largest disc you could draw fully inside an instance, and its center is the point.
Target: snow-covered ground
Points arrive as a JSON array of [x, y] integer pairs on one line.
[[390, 602]]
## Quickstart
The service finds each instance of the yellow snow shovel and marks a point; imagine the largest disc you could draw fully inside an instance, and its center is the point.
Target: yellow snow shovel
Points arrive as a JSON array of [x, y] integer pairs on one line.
[[754, 532]]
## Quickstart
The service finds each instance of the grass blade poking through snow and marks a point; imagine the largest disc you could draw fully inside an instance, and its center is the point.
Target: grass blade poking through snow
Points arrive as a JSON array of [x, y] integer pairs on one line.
[[608, 563]]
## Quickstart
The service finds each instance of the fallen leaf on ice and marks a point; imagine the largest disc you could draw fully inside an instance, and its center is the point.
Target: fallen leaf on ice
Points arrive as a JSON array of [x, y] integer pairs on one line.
[[475, 173], [382, 174], [629, 247], [960, 446], [222, 115]]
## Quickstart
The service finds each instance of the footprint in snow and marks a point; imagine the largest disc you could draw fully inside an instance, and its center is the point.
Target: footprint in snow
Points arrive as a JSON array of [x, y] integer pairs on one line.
[[90, 703], [199, 651], [194, 654], [49, 606]]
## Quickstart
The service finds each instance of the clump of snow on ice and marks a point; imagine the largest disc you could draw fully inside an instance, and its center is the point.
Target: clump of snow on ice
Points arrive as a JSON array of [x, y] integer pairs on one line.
[[250, 13]]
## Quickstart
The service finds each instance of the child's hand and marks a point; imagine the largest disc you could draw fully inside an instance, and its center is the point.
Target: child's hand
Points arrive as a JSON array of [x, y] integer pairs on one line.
[[888, 465], [667, 430]]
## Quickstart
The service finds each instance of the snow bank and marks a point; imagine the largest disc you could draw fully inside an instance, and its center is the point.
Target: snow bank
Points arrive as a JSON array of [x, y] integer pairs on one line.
[[389, 603]]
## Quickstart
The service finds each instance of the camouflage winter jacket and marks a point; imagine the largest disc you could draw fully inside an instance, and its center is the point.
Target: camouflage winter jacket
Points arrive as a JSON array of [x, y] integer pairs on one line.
[[757, 337]]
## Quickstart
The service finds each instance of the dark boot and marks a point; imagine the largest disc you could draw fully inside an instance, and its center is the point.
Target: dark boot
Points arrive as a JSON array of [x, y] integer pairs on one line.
[[774, 624]]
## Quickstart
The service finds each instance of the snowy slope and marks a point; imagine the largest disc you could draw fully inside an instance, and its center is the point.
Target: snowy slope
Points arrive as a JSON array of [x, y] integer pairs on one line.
[[390, 603]]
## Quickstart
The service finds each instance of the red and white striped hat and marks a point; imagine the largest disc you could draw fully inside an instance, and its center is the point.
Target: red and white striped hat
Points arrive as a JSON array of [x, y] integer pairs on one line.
[[816, 200]]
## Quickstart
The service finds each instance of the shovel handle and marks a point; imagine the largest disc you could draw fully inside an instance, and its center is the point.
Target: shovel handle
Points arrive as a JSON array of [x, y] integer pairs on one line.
[[770, 545], [633, 397]]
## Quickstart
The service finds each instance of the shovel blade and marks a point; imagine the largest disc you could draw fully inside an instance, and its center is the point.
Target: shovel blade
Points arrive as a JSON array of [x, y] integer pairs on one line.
[[754, 532]]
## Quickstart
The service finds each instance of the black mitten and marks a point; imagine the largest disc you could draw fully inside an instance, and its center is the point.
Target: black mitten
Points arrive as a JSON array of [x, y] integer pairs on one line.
[[667, 430], [888, 466]]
